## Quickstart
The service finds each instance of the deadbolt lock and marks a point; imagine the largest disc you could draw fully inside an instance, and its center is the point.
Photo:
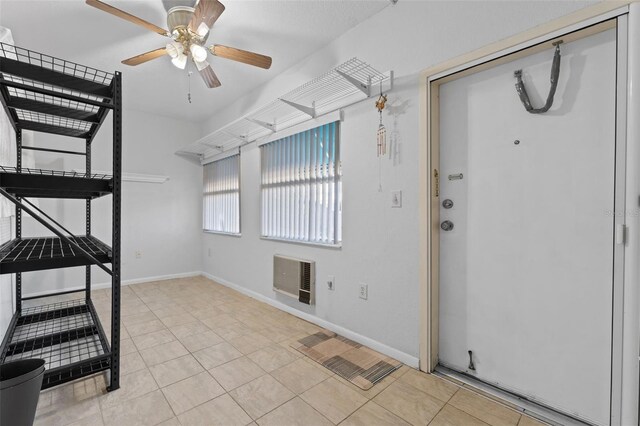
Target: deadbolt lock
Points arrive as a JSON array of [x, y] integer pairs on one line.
[[447, 225], [447, 204]]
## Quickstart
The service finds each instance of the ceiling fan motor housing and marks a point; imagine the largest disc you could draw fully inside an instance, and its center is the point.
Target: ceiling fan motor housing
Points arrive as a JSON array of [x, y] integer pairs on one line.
[[179, 17]]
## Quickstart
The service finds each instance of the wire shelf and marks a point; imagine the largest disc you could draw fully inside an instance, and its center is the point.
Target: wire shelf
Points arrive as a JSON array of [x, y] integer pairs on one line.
[[75, 371], [53, 120], [53, 95], [55, 64], [62, 334], [42, 327], [38, 253], [42, 183], [52, 307], [248, 130], [64, 173], [50, 248], [350, 82], [332, 86], [26, 93], [65, 353], [49, 99]]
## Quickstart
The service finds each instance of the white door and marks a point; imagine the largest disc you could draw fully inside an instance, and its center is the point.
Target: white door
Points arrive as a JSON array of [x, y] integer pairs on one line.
[[526, 272]]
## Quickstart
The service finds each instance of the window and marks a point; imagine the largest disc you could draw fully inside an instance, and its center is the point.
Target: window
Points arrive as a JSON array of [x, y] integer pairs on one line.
[[221, 196], [301, 187]]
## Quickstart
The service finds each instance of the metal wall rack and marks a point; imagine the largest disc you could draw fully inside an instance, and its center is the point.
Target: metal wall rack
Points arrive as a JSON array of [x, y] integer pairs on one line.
[[50, 95], [348, 83]]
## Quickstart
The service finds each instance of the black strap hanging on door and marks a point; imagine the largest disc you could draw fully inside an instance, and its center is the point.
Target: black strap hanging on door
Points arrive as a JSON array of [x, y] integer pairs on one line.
[[522, 91]]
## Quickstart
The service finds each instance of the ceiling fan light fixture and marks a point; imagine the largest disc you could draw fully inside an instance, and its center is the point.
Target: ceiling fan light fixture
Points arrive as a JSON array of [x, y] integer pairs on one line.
[[174, 49], [198, 52], [180, 61]]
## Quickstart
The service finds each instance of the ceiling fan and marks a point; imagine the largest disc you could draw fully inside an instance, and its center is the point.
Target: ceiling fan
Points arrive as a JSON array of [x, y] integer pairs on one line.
[[188, 29]]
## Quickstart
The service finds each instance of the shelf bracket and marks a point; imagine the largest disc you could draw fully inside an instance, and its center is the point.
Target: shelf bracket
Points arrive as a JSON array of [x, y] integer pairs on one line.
[[218, 147], [243, 139], [364, 88], [266, 125], [310, 111]]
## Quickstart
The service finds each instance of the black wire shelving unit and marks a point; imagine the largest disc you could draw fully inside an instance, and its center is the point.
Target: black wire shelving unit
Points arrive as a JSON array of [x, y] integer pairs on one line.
[[46, 94]]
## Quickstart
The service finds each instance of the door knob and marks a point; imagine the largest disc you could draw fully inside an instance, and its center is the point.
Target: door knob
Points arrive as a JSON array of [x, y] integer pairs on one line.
[[447, 225]]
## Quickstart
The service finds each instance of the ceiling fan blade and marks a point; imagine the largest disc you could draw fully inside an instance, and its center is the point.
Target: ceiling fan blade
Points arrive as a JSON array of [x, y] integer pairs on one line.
[[240, 55], [206, 14], [127, 16], [210, 78], [145, 57]]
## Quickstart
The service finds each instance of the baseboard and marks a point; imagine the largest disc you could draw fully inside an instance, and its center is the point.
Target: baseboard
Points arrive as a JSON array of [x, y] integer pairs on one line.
[[403, 357], [158, 278], [99, 286]]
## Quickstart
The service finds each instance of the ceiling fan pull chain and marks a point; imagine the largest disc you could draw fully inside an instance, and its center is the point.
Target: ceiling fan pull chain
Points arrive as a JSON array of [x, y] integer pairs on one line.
[[189, 95]]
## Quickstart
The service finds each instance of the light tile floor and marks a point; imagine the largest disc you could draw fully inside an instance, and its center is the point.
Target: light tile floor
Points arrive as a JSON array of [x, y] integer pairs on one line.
[[197, 353]]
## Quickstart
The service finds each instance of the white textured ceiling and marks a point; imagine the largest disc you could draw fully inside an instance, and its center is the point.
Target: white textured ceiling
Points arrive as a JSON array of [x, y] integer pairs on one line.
[[288, 31]]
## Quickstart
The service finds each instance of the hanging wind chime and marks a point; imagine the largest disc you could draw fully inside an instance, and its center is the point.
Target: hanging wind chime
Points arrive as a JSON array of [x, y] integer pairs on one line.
[[382, 132], [381, 139]]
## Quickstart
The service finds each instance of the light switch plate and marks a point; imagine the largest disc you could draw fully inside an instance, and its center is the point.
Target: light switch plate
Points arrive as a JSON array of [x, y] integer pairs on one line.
[[396, 199]]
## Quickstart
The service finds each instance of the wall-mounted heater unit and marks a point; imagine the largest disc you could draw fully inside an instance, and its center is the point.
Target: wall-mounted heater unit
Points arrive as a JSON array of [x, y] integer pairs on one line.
[[295, 278]]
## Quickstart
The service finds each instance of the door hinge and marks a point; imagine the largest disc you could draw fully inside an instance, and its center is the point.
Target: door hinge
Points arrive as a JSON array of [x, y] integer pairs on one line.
[[436, 180], [621, 234]]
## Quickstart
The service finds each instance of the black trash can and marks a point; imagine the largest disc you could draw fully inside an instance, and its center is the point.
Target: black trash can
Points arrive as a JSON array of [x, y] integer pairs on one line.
[[20, 383]]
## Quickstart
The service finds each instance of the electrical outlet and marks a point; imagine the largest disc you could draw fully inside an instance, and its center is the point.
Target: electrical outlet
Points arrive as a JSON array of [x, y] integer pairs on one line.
[[138, 254], [364, 291], [331, 282], [396, 199]]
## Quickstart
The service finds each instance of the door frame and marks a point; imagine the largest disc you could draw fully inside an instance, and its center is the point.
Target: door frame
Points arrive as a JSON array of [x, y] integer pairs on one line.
[[625, 393]]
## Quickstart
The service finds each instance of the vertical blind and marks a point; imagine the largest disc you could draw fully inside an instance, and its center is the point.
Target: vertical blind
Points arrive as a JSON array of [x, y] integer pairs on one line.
[[221, 195], [301, 186]]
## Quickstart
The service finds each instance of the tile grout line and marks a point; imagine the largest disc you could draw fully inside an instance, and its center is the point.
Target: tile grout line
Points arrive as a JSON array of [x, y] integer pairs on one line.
[[198, 361], [274, 409], [295, 396], [314, 409], [145, 363], [151, 374], [104, 375], [440, 410], [211, 375], [167, 402], [487, 398], [445, 403], [240, 405], [496, 401], [328, 378], [240, 317]]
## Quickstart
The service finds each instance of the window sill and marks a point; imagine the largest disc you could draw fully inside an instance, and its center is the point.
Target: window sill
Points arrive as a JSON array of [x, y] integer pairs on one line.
[[229, 234], [304, 243]]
